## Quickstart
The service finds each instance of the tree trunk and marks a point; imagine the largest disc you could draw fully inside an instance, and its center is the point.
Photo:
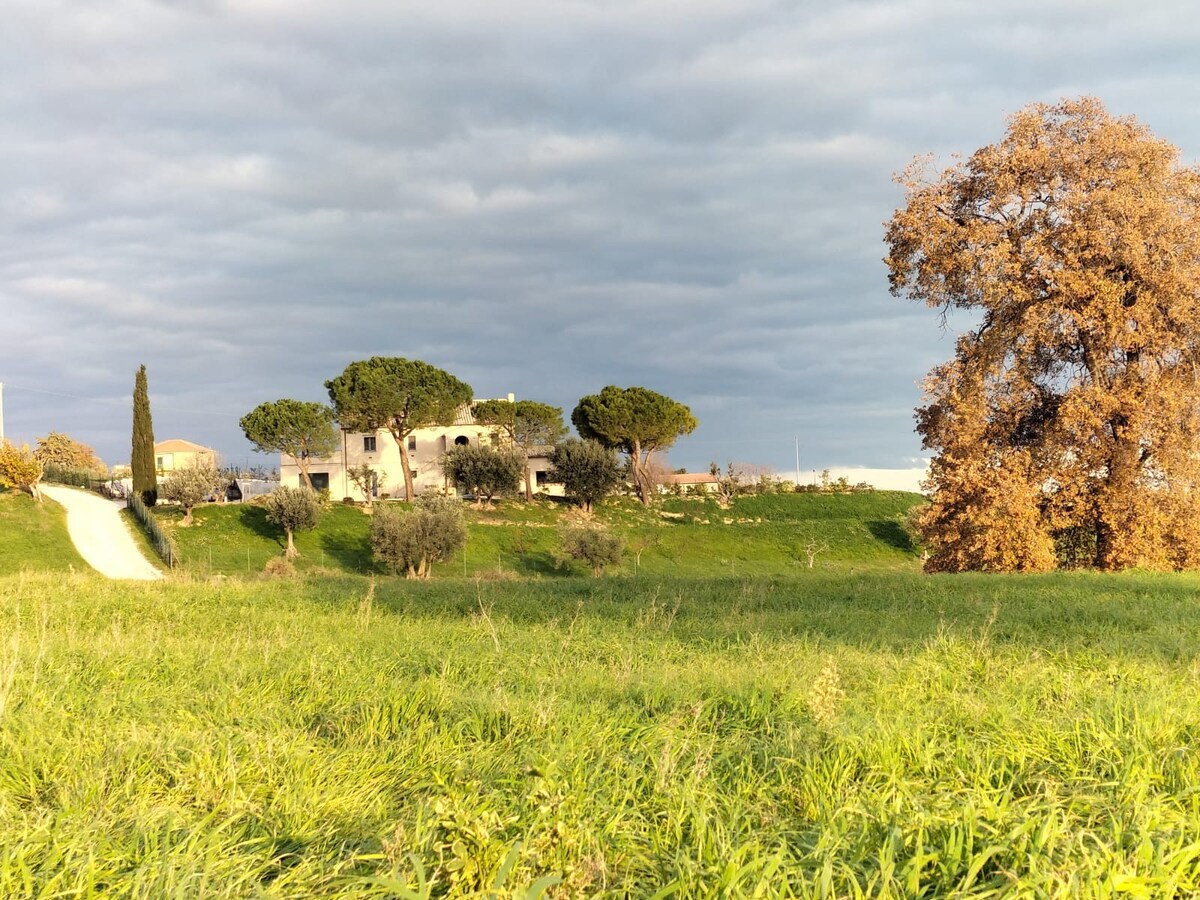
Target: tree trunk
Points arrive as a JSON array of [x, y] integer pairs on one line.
[[409, 489], [303, 465], [641, 473], [291, 551], [528, 480], [187, 515], [1117, 492]]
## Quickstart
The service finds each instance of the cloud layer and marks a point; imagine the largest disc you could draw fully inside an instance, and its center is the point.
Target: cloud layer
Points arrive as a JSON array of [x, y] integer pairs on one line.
[[541, 197]]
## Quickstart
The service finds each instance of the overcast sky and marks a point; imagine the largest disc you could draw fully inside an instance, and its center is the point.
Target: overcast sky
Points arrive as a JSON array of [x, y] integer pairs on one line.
[[540, 197]]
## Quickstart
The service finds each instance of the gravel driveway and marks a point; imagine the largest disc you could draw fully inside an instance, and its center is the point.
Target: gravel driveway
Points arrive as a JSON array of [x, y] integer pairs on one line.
[[100, 534]]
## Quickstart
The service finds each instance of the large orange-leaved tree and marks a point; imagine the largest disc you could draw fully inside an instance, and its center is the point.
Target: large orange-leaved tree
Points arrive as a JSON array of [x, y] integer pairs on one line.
[[1066, 429]]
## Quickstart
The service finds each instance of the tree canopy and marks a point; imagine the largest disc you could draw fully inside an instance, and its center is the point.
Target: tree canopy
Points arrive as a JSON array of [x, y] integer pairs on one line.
[[636, 421], [145, 478], [397, 394], [301, 429], [1066, 427], [62, 451], [526, 423]]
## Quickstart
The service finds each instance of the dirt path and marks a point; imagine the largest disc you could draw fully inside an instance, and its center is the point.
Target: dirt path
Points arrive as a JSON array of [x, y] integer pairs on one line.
[[100, 535]]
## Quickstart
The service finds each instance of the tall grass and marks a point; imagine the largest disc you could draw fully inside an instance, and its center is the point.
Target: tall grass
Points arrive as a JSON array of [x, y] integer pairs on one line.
[[162, 542], [824, 736]]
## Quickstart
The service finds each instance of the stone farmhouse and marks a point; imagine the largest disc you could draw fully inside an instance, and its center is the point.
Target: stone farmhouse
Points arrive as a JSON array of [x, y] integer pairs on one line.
[[426, 447]]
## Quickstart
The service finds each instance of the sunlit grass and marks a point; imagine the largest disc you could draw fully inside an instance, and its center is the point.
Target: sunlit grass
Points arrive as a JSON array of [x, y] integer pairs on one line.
[[33, 536], [818, 735], [683, 537]]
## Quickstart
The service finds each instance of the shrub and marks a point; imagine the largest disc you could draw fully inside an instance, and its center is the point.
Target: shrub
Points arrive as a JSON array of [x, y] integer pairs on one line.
[[293, 509], [279, 567], [594, 547], [20, 469], [410, 542]]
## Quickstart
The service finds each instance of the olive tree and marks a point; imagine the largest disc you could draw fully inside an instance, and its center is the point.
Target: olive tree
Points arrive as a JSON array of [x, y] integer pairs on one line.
[[483, 471], [192, 484], [411, 542], [292, 509], [586, 469], [594, 547]]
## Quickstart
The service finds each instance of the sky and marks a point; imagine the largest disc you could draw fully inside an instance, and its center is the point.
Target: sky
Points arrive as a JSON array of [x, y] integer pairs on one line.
[[542, 198]]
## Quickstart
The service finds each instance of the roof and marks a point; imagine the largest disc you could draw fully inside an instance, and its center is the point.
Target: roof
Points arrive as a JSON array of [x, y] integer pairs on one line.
[[692, 478], [463, 415], [177, 445]]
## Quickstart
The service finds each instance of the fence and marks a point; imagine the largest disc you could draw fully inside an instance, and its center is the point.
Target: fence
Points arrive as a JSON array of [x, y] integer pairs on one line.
[[84, 478], [163, 544]]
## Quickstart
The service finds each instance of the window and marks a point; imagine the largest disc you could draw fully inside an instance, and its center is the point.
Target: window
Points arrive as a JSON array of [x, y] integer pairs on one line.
[[320, 480], [158, 463], [412, 444], [369, 443], [413, 473], [461, 441], [540, 477]]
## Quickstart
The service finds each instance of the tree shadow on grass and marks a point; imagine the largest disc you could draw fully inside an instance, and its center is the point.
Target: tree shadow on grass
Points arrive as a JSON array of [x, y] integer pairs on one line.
[[542, 564], [893, 534], [254, 520], [349, 552]]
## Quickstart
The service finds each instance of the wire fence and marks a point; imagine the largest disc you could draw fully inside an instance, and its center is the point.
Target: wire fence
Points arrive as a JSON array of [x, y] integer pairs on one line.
[[164, 545]]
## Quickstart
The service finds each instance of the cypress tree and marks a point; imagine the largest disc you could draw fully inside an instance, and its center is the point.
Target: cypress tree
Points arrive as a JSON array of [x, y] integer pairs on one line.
[[145, 483]]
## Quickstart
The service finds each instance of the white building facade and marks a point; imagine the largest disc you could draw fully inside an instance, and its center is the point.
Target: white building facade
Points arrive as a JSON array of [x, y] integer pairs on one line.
[[426, 448]]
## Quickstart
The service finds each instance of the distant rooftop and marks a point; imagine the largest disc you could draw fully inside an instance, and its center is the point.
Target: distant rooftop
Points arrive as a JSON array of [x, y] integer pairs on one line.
[[177, 445]]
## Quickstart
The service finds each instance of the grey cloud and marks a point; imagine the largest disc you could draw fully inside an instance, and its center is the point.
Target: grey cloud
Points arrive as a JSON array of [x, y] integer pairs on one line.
[[542, 197]]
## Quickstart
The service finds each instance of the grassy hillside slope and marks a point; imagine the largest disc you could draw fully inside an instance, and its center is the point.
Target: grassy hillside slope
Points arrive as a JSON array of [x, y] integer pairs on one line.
[[758, 535], [874, 735], [33, 537]]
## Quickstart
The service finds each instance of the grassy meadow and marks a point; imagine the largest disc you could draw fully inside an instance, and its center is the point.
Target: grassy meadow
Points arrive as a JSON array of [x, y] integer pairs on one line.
[[758, 535], [33, 536], [676, 730]]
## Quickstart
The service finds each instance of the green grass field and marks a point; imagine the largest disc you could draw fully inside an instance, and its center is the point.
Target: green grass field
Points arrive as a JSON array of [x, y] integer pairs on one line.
[[33, 537], [717, 720], [829, 735], [764, 535]]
